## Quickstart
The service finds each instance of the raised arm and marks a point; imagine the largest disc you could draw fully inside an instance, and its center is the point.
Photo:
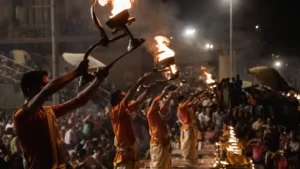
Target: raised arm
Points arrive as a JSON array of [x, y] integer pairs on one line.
[[132, 91], [83, 97], [155, 106], [142, 97], [195, 98], [54, 86], [165, 106], [86, 118]]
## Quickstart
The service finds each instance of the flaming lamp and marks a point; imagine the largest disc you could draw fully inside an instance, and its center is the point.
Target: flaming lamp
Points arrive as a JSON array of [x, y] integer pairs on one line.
[[119, 21], [165, 59]]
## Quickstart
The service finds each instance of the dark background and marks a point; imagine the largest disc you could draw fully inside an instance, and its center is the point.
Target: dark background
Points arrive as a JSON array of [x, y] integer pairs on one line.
[[278, 20]]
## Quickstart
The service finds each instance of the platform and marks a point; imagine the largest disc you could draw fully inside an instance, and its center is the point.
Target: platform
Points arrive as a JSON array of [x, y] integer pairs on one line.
[[205, 161]]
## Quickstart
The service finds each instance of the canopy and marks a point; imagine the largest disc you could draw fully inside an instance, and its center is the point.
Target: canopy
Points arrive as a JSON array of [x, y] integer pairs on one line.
[[270, 77], [75, 58]]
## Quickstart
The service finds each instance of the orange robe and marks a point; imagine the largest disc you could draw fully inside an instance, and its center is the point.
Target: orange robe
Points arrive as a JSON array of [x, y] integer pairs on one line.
[[124, 136], [159, 143], [189, 134], [39, 137]]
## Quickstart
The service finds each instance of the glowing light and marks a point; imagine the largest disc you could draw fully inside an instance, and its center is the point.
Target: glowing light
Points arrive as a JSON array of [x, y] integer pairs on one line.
[[174, 69], [233, 147], [190, 32], [277, 64], [209, 46], [117, 5], [209, 79], [163, 49]]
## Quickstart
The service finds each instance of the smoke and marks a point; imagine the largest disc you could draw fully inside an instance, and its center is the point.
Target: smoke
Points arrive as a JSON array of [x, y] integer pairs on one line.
[[154, 18]]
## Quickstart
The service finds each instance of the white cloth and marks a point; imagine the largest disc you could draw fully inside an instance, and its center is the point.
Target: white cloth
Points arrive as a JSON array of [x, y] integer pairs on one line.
[[9, 126], [70, 136], [257, 125], [203, 118], [294, 146], [188, 145], [160, 157], [217, 119]]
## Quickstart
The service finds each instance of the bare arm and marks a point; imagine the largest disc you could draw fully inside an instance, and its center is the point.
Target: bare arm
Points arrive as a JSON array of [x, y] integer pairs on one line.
[[52, 87], [194, 102], [82, 98], [142, 97], [132, 91], [86, 118], [165, 106], [186, 102], [154, 105]]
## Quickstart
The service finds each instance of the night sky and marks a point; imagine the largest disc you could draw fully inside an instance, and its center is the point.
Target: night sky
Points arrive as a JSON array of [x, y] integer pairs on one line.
[[279, 21]]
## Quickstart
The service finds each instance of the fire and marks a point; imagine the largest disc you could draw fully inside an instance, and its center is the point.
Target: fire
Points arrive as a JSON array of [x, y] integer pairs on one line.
[[209, 79], [163, 49], [117, 5]]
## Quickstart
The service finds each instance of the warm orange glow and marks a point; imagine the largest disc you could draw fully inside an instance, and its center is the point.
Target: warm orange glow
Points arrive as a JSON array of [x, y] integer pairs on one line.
[[163, 49], [209, 79], [117, 5], [202, 68]]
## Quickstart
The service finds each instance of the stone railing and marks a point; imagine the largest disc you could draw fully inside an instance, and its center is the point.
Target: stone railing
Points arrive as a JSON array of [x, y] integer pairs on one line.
[[11, 70]]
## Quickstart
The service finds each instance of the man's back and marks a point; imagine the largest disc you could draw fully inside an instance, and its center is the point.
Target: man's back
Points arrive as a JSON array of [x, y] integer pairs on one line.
[[38, 136], [122, 125]]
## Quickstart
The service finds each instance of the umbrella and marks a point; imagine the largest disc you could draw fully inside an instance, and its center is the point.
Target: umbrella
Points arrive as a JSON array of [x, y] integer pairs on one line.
[[246, 84], [270, 77], [75, 58]]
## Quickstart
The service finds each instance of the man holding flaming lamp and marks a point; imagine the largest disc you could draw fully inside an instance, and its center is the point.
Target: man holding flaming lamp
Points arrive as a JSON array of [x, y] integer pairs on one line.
[[189, 130], [35, 124], [123, 109], [159, 142]]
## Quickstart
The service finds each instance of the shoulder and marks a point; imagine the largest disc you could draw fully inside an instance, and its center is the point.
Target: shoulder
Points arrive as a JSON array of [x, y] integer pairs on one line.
[[181, 107], [19, 112], [51, 109], [115, 110], [149, 112]]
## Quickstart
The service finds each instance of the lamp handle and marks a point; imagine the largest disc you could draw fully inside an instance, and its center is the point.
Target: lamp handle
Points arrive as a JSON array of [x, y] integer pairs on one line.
[[91, 49], [99, 25]]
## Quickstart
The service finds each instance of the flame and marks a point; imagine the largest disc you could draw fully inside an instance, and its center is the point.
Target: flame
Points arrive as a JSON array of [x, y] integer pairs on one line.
[[117, 5], [163, 49], [209, 79], [174, 69]]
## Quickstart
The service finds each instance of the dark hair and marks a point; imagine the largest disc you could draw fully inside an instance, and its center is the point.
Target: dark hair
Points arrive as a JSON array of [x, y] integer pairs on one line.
[[115, 98], [31, 80], [181, 98]]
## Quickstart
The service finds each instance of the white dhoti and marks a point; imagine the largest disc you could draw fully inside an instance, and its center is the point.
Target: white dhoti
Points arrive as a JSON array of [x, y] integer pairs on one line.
[[160, 157], [188, 145]]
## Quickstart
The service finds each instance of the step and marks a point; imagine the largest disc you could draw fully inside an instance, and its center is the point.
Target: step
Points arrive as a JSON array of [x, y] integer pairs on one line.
[[200, 152], [180, 163]]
